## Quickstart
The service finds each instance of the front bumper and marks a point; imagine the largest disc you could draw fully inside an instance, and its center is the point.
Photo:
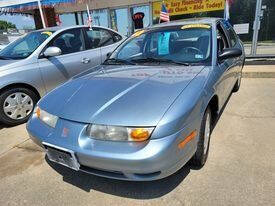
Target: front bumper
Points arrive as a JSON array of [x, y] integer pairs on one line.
[[143, 161]]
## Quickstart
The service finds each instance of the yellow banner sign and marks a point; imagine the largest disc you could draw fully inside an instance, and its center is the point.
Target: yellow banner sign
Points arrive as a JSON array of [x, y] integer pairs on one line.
[[179, 7]]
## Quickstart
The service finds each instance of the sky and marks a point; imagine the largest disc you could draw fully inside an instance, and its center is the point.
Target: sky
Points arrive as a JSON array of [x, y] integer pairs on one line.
[[19, 20]]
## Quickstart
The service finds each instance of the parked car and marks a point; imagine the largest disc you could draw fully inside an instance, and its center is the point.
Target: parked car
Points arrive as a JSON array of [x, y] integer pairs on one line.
[[35, 64], [149, 108]]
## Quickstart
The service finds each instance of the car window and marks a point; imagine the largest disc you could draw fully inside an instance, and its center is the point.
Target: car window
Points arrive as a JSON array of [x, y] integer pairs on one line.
[[116, 37], [132, 49], [70, 41], [222, 41], [26, 45], [231, 33], [98, 38], [232, 36], [189, 43]]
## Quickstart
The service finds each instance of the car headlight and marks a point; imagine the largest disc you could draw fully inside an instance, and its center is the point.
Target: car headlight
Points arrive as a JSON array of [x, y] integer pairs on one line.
[[115, 133], [46, 117]]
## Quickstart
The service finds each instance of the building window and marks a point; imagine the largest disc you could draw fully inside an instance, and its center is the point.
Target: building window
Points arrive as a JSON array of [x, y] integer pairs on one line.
[[67, 19], [99, 17]]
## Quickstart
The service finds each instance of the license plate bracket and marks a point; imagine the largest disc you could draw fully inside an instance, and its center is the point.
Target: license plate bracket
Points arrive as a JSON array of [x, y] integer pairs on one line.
[[61, 156]]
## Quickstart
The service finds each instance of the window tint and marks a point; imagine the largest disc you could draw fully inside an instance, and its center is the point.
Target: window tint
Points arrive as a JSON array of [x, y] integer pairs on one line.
[[99, 38], [232, 37], [222, 42], [231, 33], [69, 41], [116, 37]]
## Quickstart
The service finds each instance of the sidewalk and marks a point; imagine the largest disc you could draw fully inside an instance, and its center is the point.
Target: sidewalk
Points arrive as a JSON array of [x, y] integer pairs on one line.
[[259, 71]]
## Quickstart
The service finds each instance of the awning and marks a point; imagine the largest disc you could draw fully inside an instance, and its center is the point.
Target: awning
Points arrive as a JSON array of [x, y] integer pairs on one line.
[[21, 5], [7, 3]]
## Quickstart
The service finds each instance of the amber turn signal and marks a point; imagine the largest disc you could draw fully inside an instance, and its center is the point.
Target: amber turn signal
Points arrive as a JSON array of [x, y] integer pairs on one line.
[[190, 137], [38, 112], [140, 134]]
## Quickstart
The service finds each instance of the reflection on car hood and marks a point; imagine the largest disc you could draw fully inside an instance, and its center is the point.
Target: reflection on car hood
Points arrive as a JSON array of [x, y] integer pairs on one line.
[[125, 95]]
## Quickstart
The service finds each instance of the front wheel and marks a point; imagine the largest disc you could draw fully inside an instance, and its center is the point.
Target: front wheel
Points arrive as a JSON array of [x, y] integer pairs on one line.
[[16, 105], [201, 154]]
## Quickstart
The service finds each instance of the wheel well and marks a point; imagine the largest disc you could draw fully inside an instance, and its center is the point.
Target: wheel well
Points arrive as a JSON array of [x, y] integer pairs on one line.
[[214, 106], [20, 85]]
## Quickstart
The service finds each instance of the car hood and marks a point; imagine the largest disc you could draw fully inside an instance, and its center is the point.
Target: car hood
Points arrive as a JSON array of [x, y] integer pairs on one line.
[[128, 95]]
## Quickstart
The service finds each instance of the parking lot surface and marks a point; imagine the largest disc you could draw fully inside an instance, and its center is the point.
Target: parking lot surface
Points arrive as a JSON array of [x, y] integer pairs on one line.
[[240, 169]]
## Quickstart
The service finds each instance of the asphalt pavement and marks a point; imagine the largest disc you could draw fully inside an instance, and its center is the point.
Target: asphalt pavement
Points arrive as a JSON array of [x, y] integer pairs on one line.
[[240, 169]]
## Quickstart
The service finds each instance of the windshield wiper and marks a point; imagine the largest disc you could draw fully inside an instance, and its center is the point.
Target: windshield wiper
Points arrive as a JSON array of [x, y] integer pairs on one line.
[[117, 61], [159, 60]]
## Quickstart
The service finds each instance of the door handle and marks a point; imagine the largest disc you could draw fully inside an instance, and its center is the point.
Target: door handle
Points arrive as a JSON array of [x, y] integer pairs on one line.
[[85, 60]]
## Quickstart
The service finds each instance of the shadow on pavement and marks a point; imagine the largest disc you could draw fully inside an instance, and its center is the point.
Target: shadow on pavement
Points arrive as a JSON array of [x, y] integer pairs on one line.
[[2, 126], [221, 112], [135, 190]]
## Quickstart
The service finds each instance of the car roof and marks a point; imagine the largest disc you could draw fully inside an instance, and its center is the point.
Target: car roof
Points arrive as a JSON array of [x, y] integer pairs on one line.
[[206, 20], [59, 28]]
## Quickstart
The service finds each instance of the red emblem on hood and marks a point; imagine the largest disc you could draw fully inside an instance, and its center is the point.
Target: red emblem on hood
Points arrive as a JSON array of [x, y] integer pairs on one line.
[[65, 132]]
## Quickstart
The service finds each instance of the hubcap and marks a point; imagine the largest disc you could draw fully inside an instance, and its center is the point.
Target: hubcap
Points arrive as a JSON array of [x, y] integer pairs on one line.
[[206, 133], [18, 106]]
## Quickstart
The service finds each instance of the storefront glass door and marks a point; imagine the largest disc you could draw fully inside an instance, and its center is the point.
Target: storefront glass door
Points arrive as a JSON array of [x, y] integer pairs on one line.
[[266, 36], [143, 9], [119, 20]]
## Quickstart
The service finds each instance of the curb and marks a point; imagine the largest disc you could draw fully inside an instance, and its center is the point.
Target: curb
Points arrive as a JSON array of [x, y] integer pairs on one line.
[[258, 71], [258, 74]]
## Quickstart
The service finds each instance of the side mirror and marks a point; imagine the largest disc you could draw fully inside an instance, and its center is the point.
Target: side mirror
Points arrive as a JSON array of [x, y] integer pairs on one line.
[[230, 53], [52, 51]]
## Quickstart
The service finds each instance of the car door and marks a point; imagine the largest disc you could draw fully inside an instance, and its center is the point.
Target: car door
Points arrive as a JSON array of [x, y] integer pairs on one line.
[[234, 43], [226, 67], [75, 58], [104, 39]]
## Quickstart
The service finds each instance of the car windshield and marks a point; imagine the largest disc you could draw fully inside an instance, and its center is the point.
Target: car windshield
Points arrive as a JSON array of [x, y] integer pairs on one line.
[[25, 46], [188, 44]]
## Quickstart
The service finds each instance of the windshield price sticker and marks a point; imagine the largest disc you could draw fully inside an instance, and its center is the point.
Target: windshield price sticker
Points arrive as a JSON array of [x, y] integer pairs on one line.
[[138, 33], [47, 33], [163, 43], [200, 26]]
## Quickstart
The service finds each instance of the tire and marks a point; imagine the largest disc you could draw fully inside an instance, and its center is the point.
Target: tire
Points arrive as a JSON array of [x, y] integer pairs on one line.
[[237, 85], [200, 156], [17, 105]]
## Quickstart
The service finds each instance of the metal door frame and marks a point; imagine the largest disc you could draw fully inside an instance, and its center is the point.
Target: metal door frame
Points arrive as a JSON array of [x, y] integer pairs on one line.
[[256, 28]]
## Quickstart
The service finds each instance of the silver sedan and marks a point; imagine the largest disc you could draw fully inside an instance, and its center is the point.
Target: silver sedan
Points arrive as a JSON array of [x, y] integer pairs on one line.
[[35, 64]]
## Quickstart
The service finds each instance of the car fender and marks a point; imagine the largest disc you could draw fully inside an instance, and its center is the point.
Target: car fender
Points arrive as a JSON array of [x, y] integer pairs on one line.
[[187, 108], [28, 74]]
